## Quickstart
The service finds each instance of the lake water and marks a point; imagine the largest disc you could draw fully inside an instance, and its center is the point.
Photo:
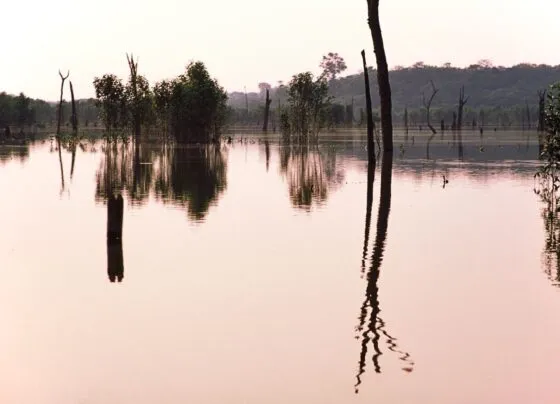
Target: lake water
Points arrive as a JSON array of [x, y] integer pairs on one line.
[[256, 273]]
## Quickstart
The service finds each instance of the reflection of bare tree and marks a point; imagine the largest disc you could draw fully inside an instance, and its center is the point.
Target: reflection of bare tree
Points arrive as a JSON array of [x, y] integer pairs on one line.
[[9, 152], [310, 173], [375, 324], [188, 176], [551, 253]]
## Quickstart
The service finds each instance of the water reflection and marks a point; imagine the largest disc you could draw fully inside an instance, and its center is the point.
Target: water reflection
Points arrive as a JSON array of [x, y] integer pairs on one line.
[[375, 324], [310, 172], [549, 214], [115, 263], [19, 151], [189, 177]]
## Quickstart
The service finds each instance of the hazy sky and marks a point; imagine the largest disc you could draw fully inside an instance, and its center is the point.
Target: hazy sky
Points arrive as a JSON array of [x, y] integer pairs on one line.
[[244, 42]]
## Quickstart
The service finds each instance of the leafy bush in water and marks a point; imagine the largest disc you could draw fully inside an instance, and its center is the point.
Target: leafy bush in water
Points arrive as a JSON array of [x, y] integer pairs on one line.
[[550, 154], [197, 106], [307, 109], [191, 106]]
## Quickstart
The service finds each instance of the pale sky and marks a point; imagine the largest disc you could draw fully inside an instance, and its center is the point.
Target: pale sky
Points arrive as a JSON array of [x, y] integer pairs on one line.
[[244, 42]]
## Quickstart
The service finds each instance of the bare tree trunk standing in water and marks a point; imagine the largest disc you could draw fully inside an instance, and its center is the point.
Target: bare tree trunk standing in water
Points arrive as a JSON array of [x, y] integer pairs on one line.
[[427, 105], [542, 95], [370, 144], [74, 118], [462, 102], [266, 111], [382, 75], [406, 121], [63, 78], [133, 81], [59, 121]]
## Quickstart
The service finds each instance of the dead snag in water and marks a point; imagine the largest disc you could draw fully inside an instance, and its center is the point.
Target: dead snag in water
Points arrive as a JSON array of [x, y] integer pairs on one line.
[[370, 145], [462, 102], [428, 104], [133, 66], [542, 95], [382, 75], [63, 78], [266, 111], [406, 120], [74, 118]]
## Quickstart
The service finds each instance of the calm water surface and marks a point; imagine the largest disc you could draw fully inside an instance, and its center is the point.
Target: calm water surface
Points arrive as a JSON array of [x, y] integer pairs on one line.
[[260, 273]]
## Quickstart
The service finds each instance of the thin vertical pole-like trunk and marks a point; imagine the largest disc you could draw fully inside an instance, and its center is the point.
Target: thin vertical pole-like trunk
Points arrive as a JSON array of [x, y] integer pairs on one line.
[[59, 121], [266, 111], [382, 75], [462, 102], [74, 114], [542, 95], [370, 144]]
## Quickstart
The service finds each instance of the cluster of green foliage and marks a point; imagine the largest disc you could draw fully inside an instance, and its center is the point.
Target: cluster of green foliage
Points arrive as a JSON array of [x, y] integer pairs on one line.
[[550, 153], [307, 108], [192, 107], [16, 110]]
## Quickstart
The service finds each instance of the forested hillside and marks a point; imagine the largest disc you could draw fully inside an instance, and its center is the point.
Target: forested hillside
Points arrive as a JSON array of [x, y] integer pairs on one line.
[[497, 96]]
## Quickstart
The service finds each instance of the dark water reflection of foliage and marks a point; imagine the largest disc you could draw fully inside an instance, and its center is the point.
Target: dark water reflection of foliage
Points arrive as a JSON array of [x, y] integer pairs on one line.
[[548, 193], [191, 177], [310, 172]]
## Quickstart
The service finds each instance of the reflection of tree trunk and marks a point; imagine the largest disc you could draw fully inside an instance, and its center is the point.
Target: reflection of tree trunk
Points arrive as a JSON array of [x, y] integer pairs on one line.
[[60, 161], [428, 145], [73, 160], [267, 153], [115, 261], [375, 324], [136, 169], [369, 201], [115, 209], [460, 144]]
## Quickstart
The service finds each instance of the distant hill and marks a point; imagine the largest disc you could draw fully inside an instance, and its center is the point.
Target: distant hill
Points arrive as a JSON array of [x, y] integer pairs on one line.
[[486, 87], [502, 94]]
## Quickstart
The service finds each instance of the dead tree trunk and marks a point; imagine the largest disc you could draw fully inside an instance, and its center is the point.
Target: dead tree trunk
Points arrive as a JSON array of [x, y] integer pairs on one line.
[[528, 113], [63, 78], [266, 111], [427, 104], [74, 114], [406, 121], [542, 95], [382, 75], [136, 118], [462, 102], [370, 144]]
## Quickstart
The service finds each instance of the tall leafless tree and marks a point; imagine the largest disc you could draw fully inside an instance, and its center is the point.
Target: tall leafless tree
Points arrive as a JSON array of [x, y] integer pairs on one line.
[[63, 79], [136, 118], [382, 75], [542, 95], [462, 102], [427, 105], [370, 144], [266, 111]]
